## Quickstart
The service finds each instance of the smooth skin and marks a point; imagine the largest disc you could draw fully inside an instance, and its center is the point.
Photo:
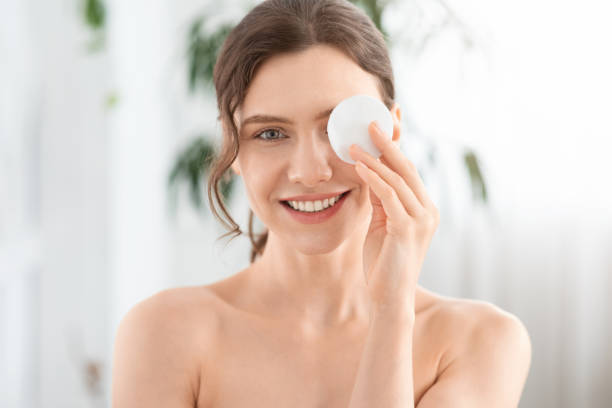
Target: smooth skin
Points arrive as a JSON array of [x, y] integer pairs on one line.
[[331, 314]]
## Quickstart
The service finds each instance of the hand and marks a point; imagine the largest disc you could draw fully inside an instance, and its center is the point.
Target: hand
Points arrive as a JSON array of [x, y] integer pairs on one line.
[[404, 220]]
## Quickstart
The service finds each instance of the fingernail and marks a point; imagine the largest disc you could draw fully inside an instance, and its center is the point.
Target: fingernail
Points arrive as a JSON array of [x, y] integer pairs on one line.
[[355, 147]]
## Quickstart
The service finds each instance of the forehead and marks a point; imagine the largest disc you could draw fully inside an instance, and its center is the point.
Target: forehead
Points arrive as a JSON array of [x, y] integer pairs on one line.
[[301, 84]]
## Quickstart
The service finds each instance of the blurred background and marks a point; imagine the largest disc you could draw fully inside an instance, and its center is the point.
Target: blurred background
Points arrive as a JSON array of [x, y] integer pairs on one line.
[[108, 121]]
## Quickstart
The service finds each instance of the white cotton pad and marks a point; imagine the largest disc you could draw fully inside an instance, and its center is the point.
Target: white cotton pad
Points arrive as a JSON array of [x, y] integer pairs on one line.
[[348, 123]]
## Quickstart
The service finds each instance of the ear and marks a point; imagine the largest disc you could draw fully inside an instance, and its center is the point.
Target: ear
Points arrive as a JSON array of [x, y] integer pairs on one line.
[[235, 167], [397, 117]]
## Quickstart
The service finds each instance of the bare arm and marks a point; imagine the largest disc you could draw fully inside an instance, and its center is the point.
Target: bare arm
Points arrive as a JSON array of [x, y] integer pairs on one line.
[[489, 371], [384, 378]]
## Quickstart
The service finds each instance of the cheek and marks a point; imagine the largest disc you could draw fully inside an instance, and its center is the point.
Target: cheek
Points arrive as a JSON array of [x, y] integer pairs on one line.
[[262, 180]]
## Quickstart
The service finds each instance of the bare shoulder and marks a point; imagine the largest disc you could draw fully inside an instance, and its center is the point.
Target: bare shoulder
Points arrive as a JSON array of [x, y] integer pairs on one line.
[[176, 313], [157, 355], [484, 344], [469, 323]]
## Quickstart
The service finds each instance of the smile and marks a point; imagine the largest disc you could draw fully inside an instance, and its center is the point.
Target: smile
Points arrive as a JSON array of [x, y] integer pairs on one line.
[[314, 206], [312, 212]]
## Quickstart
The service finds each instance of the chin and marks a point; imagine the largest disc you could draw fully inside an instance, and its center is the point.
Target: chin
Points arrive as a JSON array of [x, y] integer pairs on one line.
[[314, 245]]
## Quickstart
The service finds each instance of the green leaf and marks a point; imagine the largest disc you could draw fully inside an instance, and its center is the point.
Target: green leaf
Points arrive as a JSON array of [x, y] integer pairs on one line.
[[95, 14], [192, 166], [479, 188], [111, 100], [202, 53], [374, 9]]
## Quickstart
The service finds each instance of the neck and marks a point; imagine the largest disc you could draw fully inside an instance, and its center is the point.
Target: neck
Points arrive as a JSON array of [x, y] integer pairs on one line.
[[318, 291], [323, 289]]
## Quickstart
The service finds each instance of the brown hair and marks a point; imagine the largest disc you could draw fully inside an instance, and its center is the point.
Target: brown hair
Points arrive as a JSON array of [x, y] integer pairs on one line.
[[281, 26]]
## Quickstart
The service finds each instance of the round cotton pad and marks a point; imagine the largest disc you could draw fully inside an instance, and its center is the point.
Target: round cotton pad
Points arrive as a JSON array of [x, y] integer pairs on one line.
[[348, 123]]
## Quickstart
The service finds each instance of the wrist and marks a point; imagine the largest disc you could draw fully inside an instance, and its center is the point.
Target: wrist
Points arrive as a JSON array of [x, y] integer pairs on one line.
[[397, 311]]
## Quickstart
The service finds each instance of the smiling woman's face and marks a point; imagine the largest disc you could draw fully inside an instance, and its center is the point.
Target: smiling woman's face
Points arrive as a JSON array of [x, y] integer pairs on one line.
[[291, 155]]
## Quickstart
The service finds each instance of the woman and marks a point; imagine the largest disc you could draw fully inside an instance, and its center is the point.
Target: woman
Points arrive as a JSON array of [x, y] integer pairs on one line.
[[329, 312]]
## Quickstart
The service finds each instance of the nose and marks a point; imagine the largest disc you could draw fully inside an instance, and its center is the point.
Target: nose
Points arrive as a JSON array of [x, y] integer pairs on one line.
[[310, 161]]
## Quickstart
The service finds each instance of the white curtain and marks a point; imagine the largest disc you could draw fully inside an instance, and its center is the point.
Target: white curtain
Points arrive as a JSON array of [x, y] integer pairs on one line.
[[19, 211]]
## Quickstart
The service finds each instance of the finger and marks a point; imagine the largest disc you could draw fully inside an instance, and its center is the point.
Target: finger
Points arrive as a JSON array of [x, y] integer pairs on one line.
[[394, 209], [400, 163], [410, 202]]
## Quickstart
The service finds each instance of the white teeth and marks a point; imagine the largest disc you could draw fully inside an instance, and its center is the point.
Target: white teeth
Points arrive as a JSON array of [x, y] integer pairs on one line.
[[312, 206]]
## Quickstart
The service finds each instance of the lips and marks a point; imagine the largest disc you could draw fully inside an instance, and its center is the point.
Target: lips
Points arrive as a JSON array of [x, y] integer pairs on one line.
[[286, 202], [316, 217], [314, 197]]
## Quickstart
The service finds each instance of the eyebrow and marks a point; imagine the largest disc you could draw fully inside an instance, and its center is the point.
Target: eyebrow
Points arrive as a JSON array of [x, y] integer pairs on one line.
[[270, 118]]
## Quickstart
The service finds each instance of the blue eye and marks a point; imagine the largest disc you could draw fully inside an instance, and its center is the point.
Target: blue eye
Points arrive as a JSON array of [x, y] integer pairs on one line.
[[258, 135]]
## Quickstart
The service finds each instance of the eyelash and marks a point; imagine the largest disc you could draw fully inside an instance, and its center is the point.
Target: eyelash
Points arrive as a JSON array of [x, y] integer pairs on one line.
[[258, 134]]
